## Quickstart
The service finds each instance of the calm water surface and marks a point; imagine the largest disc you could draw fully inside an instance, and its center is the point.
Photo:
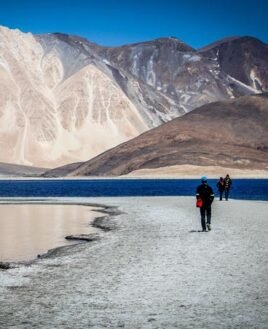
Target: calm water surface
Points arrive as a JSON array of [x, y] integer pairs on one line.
[[27, 230], [244, 189]]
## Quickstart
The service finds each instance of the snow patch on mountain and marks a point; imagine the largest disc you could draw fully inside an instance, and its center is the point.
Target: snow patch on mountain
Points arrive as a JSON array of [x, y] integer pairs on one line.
[[245, 87], [256, 82]]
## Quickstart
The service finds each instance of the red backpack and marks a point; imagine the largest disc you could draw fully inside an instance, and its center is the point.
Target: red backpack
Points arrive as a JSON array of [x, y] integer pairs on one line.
[[199, 203]]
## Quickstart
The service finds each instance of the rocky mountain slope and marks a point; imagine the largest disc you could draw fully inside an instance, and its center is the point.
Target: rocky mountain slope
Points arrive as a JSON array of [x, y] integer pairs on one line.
[[64, 99], [192, 78], [243, 59], [231, 134]]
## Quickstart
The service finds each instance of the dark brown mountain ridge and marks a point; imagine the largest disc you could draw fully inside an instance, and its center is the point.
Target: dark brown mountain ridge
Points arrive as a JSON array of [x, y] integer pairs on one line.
[[231, 134]]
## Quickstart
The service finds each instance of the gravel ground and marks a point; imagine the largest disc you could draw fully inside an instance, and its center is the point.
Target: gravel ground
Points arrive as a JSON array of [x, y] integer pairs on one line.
[[153, 271]]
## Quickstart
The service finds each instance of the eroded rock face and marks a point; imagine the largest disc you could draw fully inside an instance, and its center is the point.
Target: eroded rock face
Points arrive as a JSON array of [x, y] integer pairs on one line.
[[193, 78], [56, 105], [64, 99]]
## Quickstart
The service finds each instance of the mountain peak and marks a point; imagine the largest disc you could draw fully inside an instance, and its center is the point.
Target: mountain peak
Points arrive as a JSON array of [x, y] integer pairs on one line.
[[70, 38], [228, 40], [169, 39], [174, 42], [169, 42]]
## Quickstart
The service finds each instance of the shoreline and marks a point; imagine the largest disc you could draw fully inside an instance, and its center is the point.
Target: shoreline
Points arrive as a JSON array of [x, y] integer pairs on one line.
[[167, 177], [103, 223], [170, 172]]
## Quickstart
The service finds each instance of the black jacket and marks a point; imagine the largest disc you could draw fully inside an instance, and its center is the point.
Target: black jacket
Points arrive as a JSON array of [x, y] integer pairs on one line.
[[221, 185], [205, 192], [228, 183]]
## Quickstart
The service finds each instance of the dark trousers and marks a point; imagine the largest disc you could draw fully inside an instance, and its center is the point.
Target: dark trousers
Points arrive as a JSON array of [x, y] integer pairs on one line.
[[221, 193], [227, 193], [205, 211]]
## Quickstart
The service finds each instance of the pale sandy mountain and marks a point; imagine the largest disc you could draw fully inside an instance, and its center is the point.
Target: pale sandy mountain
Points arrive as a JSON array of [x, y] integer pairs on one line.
[[56, 104], [230, 134]]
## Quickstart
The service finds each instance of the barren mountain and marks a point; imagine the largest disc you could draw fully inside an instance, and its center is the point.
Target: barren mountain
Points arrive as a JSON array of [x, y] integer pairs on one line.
[[244, 59], [192, 78], [64, 99], [57, 103], [230, 134], [11, 170]]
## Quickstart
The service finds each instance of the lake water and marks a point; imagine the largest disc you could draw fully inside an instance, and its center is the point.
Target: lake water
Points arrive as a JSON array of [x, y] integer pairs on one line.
[[245, 189], [27, 230]]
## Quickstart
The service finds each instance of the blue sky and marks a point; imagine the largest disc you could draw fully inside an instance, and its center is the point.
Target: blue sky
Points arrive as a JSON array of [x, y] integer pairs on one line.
[[111, 23]]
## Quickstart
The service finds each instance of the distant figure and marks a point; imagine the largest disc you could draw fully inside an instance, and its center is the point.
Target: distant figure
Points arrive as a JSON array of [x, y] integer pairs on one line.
[[221, 187], [227, 186], [205, 193]]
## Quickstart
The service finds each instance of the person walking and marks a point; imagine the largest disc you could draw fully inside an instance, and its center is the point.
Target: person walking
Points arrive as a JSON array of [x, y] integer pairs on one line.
[[220, 186], [205, 193], [227, 186]]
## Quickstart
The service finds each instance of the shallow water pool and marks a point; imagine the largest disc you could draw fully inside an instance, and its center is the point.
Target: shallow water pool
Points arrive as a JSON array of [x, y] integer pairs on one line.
[[27, 230]]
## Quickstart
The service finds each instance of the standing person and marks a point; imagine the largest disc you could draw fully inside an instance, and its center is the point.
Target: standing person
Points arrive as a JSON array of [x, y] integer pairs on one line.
[[205, 193], [220, 186], [227, 186]]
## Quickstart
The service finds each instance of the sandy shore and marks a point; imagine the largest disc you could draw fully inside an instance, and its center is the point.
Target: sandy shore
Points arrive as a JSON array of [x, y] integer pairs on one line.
[[178, 171], [150, 272], [190, 171]]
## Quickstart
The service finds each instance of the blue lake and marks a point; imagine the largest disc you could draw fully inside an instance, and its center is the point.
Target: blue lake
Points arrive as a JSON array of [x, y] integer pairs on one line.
[[245, 189]]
